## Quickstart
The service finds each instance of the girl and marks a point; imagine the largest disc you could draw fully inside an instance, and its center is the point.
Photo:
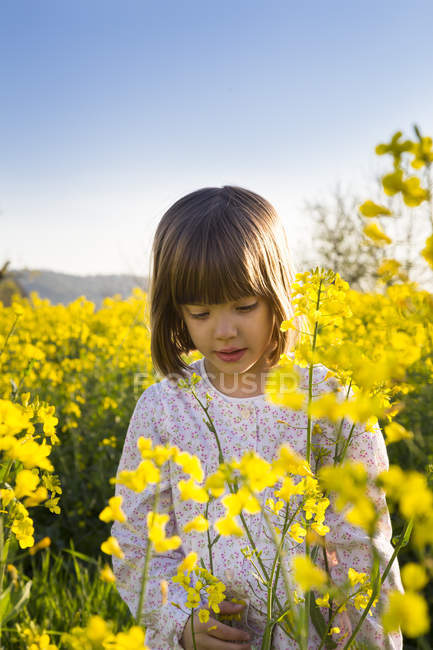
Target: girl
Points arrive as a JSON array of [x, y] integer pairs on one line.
[[221, 285]]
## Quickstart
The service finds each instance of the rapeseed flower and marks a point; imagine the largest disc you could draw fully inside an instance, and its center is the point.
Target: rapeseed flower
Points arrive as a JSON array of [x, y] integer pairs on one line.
[[199, 525], [113, 512], [111, 547], [407, 611], [156, 524], [306, 574]]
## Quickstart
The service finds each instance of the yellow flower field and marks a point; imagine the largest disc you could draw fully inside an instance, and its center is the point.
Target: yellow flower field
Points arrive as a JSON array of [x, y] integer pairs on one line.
[[70, 378]]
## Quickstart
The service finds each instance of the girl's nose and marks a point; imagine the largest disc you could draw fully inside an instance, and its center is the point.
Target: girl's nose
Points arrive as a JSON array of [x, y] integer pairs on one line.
[[225, 328]]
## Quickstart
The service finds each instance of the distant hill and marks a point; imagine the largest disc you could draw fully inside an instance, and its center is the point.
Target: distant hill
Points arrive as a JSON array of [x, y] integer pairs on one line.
[[62, 288]]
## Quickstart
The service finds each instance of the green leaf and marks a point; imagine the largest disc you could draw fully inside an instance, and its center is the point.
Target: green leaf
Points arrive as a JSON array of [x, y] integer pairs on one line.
[[12, 600], [320, 623]]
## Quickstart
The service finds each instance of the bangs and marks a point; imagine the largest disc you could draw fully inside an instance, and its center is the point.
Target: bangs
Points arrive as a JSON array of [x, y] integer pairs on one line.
[[219, 269]]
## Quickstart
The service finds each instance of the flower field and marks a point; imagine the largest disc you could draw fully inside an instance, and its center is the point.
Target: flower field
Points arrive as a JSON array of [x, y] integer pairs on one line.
[[70, 379]]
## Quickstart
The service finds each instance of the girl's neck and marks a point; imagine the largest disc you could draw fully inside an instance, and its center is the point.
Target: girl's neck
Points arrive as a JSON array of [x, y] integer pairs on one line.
[[247, 384]]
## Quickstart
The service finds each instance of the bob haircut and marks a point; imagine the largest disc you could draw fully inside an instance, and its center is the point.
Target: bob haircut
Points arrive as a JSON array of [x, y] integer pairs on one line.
[[212, 246]]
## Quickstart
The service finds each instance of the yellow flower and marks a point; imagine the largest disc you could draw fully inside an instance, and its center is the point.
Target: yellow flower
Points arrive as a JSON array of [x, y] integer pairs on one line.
[[47, 417], [323, 602], [257, 472], [427, 251], [362, 514], [190, 490], [390, 268], [199, 524], [408, 611], [138, 480], [306, 574], [395, 432], [274, 506], [13, 419], [190, 465], [106, 574], [36, 497], [188, 563], [241, 500], [203, 615], [6, 495], [215, 594], [97, 630], [286, 325], [297, 532], [374, 232], [193, 599], [159, 454], [25, 483], [320, 528], [113, 512], [416, 499], [156, 523], [290, 462], [215, 483], [109, 403], [288, 489], [45, 542], [111, 547], [414, 576], [392, 481], [422, 151], [356, 578], [13, 573], [327, 405], [371, 209], [31, 454], [297, 598], [227, 526], [36, 641], [133, 639], [23, 530]]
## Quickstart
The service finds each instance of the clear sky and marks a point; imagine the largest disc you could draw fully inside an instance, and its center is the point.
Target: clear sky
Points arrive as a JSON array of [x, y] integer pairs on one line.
[[112, 110]]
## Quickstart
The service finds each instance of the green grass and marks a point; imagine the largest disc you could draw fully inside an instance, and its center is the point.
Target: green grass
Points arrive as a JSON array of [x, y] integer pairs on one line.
[[66, 591]]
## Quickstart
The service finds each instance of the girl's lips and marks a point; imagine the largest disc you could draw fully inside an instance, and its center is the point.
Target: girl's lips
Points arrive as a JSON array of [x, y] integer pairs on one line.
[[231, 356]]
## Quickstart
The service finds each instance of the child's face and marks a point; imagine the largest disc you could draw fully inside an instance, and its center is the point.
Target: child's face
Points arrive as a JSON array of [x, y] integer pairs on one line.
[[247, 325]]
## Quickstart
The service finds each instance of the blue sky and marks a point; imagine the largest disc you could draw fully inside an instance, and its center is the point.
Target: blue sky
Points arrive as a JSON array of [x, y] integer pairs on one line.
[[112, 110]]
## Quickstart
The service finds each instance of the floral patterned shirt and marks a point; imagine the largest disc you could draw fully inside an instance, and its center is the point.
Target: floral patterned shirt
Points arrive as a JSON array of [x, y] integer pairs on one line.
[[171, 415]]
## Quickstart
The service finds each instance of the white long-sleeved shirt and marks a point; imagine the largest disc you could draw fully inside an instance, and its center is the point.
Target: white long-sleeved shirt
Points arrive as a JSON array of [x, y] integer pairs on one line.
[[171, 415]]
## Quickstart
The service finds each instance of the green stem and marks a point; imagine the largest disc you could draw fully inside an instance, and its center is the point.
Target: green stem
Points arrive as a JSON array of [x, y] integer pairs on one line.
[[310, 376], [144, 575], [337, 455], [210, 543], [11, 331], [210, 425], [280, 554], [192, 629], [404, 538], [346, 443]]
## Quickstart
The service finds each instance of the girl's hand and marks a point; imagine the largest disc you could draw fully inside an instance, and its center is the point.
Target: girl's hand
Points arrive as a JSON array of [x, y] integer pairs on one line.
[[220, 637]]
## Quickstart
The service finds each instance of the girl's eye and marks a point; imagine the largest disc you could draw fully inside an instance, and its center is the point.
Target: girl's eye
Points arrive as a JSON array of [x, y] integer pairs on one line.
[[198, 315], [244, 308], [248, 307]]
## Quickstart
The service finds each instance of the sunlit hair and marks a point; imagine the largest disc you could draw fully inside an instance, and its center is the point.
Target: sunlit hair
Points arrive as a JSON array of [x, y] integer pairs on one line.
[[216, 245]]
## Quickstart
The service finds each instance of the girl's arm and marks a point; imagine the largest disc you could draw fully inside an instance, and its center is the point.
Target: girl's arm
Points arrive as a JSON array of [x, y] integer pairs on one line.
[[164, 622]]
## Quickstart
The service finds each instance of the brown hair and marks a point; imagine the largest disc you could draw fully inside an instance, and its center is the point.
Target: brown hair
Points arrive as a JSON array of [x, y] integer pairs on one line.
[[216, 245]]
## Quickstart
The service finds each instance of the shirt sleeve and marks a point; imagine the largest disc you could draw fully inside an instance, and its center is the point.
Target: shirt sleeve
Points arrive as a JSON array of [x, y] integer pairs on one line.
[[164, 623], [349, 546]]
